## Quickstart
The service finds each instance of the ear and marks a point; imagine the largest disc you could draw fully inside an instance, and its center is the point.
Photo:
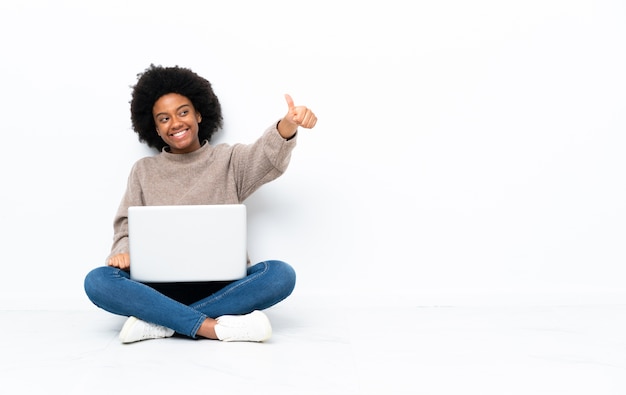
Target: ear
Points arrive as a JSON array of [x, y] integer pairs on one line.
[[198, 117]]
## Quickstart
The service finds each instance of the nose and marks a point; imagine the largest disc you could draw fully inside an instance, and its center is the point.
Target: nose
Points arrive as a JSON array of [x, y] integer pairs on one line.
[[176, 123]]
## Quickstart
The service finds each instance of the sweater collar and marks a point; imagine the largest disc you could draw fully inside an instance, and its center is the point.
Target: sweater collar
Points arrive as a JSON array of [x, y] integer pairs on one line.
[[189, 157]]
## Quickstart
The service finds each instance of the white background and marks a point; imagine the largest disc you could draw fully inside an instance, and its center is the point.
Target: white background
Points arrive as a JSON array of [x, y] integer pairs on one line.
[[465, 151]]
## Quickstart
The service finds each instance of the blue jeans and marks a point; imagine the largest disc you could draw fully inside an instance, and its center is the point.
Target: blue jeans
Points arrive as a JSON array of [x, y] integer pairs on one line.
[[266, 284]]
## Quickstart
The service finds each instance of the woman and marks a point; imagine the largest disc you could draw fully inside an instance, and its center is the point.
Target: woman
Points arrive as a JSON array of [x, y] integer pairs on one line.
[[176, 111]]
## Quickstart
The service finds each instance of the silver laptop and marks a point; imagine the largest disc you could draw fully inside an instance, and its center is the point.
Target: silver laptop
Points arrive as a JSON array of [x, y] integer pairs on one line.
[[187, 243]]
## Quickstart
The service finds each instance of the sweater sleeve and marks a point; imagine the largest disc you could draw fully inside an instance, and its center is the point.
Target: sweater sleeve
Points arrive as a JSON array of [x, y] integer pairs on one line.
[[132, 197], [261, 162]]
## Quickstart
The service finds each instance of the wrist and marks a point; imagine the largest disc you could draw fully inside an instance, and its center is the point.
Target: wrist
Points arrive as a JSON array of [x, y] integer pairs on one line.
[[286, 129]]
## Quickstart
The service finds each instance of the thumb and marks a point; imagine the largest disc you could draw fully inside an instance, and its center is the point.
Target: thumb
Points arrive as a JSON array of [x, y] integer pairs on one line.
[[289, 101]]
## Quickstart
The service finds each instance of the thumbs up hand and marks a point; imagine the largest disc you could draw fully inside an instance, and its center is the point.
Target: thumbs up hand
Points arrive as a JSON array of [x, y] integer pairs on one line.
[[296, 116]]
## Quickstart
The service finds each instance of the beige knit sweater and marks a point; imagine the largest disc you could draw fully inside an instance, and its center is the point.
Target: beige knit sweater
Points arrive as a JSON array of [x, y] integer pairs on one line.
[[220, 174]]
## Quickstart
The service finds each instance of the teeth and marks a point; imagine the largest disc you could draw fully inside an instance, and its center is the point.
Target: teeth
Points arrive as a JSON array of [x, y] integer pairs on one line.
[[179, 133]]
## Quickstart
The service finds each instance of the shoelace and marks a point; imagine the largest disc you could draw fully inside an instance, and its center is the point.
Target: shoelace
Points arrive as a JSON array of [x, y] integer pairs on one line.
[[152, 331]]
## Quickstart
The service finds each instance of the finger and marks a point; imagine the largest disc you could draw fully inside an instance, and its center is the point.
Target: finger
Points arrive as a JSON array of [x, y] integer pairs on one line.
[[296, 115], [309, 119], [121, 261], [312, 122]]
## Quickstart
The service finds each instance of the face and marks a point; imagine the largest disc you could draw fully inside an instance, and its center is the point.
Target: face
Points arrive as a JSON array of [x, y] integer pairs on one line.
[[177, 123]]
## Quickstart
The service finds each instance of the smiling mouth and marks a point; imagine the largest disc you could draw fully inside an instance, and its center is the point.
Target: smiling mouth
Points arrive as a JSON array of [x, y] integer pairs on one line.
[[178, 134]]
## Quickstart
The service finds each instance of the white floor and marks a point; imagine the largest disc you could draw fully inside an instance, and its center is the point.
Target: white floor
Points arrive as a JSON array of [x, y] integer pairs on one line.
[[329, 350]]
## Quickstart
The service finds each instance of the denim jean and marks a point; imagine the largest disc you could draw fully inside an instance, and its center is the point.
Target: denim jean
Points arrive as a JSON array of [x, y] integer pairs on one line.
[[265, 284]]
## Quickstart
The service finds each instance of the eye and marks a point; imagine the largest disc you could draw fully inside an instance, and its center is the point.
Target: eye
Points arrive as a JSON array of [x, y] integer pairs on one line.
[[184, 112], [163, 119]]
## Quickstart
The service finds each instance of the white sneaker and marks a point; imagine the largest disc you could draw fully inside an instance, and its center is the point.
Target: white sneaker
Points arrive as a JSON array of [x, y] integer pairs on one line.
[[135, 330], [253, 327]]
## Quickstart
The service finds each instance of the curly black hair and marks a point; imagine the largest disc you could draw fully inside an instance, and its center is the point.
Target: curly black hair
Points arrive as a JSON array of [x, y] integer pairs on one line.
[[157, 81]]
